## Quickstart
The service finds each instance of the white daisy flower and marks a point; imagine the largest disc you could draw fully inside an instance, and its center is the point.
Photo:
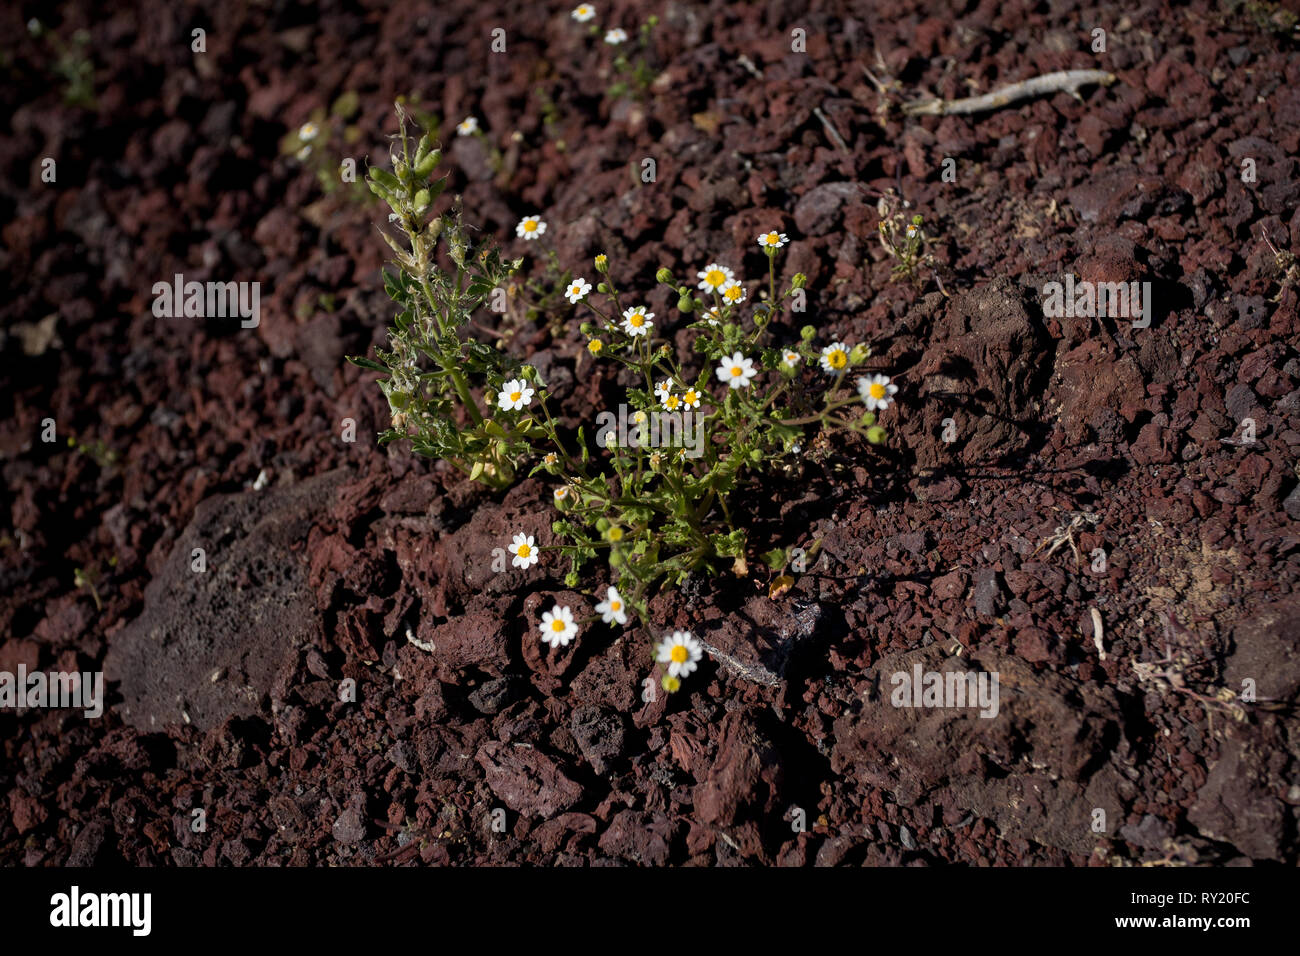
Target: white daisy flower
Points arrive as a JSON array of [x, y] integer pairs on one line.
[[911, 232], [557, 626], [877, 392], [308, 131], [835, 358], [303, 153], [663, 388], [636, 321], [773, 240], [616, 36], [691, 398], [530, 227], [515, 394], [612, 609], [712, 315], [551, 459], [583, 12], [790, 357], [672, 402], [561, 494], [714, 277], [468, 126], [737, 371], [681, 652], [733, 293], [524, 550], [577, 290]]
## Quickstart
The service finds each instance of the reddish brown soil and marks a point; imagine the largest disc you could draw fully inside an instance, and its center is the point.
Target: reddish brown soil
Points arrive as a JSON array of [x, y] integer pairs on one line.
[[224, 687]]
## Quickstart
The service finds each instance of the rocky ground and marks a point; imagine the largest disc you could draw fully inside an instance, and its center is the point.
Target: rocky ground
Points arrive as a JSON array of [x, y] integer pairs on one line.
[[330, 560]]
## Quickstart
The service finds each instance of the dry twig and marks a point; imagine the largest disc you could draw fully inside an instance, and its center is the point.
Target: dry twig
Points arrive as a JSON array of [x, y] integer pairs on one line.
[[1068, 81]]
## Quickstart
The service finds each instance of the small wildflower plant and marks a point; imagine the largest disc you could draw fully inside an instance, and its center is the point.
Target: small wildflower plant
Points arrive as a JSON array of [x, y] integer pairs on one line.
[[632, 52], [903, 238], [322, 143], [651, 498]]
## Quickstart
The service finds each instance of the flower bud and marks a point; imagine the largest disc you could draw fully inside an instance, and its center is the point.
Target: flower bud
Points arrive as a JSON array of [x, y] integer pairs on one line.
[[602, 264], [665, 276], [807, 333], [876, 435], [686, 304], [799, 281]]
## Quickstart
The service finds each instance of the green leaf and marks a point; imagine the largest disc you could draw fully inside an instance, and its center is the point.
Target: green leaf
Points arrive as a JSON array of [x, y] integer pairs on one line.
[[362, 362]]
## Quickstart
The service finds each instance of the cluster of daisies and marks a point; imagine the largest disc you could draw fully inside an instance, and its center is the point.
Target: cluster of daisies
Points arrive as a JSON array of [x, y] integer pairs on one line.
[[680, 651], [676, 401], [585, 13], [721, 281], [738, 371]]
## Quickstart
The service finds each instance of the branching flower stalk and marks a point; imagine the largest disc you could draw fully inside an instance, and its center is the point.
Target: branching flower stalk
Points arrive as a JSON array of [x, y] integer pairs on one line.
[[431, 360]]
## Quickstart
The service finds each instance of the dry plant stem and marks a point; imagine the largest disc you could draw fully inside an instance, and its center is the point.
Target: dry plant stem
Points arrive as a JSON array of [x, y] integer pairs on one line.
[[1068, 81]]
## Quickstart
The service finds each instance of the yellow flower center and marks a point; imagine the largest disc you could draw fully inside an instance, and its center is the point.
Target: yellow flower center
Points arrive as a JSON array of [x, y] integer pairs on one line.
[[557, 625], [678, 653], [530, 227], [616, 534], [836, 359], [715, 277], [524, 551], [877, 390], [616, 605], [735, 371], [594, 346], [637, 320], [671, 401], [773, 238], [691, 398], [732, 294], [515, 396], [576, 289]]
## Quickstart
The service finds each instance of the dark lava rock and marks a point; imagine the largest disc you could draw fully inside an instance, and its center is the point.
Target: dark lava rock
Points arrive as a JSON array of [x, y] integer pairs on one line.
[[599, 733], [1266, 649], [495, 695], [746, 773], [1291, 505], [990, 596], [984, 369], [216, 644], [1151, 833], [756, 643], [527, 780], [350, 827], [639, 837], [1236, 804], [819, 210], [1038, 768]]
